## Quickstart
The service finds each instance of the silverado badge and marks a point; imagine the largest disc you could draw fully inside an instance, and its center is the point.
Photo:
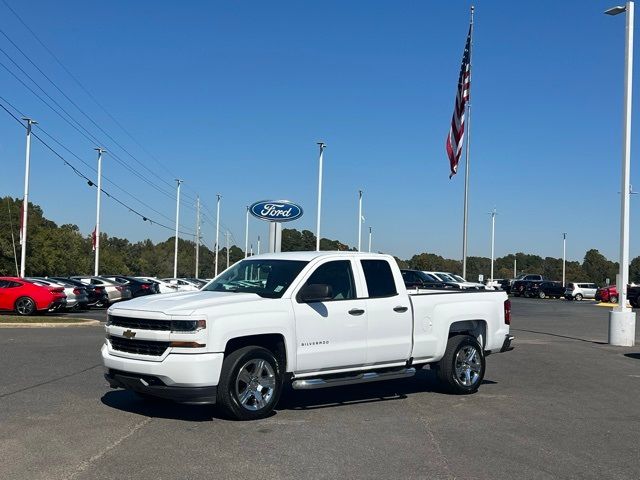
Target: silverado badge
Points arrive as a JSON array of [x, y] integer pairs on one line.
[[128, 334]]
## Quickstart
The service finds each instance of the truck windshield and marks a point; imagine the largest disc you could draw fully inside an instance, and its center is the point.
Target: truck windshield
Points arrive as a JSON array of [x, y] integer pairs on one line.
[[267, 278]]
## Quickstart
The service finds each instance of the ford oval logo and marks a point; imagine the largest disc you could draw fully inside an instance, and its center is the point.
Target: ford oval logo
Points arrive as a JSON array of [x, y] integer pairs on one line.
[[276, 210]]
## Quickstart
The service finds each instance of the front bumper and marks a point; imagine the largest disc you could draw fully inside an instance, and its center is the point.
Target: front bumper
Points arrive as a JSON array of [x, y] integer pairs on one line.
[[153, 386], [183, 377]]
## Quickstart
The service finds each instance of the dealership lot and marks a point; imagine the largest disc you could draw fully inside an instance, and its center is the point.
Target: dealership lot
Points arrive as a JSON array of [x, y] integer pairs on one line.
[[563, 404]]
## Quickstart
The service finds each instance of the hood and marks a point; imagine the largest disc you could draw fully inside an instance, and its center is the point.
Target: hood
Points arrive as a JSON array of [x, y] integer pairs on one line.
[[183, 303]]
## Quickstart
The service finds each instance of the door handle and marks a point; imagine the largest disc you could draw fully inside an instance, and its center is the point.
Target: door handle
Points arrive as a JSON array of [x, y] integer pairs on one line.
[[400, 309], [356, 311]]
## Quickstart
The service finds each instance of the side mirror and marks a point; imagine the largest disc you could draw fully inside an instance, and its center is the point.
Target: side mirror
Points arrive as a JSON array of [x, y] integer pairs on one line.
[[315, 292]]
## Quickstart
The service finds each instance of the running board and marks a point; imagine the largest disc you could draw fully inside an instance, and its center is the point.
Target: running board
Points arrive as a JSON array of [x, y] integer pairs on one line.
[[336, 381]]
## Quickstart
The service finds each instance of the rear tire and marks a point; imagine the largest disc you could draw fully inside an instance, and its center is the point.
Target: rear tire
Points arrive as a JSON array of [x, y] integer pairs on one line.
[[541, 295], [613, 299], [250, 383], [578, 297], [462, 368], [25, 306]]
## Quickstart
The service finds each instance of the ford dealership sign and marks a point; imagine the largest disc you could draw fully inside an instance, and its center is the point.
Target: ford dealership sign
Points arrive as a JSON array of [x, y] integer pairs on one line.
[[276, 210]]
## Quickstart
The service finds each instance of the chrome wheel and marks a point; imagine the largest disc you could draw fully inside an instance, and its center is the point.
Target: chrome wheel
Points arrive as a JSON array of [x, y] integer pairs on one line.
[[468, 366], [255, 384]]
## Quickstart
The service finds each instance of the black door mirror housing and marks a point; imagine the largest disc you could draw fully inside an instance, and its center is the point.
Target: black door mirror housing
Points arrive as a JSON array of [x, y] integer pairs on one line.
[[315, 292]]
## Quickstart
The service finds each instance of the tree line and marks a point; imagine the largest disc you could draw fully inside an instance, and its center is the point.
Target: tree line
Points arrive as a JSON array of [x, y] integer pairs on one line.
[[63, 250]]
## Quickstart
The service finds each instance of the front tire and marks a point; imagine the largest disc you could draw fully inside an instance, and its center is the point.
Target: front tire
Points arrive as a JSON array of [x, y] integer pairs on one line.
[[25, 306], [578, 297], [541, 295], [462, 368], [613, 299], [250, 383]]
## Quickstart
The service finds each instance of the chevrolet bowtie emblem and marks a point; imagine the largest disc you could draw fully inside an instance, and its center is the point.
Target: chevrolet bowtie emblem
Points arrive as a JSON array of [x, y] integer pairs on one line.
[[129, 334]]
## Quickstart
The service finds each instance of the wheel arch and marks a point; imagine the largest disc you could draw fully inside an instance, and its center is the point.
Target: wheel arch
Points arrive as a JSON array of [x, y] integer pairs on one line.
[[475, 328], [274, 342]]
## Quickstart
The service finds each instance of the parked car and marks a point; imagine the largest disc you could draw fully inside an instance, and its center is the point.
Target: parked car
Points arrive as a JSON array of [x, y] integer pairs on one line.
[[183, 284], [505, 284], [26, 298], [519, 287], [115, 291], [77, 298], [319, 319], [525, 277], [607, 294], [465, 284], [417, 279], [161, 285], [580, 290], [545, 289], [95, 294], [633, 295], [138, 287]]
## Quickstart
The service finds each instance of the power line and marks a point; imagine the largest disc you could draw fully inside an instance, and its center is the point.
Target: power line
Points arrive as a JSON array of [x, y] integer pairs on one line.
[[90, 182]]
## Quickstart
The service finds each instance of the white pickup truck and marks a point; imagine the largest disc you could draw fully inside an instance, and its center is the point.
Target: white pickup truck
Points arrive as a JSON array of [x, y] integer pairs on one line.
[[314, 319]]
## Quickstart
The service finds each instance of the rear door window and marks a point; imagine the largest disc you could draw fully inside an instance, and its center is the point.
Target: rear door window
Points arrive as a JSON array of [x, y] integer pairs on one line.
[[379, 278]]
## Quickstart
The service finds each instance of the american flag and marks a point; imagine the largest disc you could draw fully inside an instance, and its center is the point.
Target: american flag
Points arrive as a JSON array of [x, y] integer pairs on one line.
[[456, 133]]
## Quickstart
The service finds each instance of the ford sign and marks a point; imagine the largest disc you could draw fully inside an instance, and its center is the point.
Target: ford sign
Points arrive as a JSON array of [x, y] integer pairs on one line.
[[276, 210]]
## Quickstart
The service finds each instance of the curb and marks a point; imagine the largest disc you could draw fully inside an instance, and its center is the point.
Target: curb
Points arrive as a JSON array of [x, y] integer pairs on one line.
[[85, 323]]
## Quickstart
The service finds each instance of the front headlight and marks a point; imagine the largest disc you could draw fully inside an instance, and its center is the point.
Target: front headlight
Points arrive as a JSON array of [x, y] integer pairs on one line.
[[188, 326]]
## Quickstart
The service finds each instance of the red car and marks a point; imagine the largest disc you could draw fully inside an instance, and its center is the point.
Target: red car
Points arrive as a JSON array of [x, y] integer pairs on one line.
[[26, 298], [607, 294]]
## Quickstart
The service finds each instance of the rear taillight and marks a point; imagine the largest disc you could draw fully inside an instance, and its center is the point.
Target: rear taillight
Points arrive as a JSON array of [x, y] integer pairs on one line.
[[145, 286], [119, 288], [99, 289], [76, 291], [507, 312]]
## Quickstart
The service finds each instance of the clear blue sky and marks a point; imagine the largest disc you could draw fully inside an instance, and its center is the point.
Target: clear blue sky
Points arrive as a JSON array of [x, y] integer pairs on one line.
[[232, 96]]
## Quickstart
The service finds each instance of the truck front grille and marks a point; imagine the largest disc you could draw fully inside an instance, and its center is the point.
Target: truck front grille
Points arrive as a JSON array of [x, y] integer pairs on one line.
[[140, 347], [140, 323]]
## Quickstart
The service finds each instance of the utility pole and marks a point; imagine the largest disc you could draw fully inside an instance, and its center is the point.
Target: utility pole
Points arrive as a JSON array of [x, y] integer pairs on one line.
[[246, 235], [564, 256], [359, 220], [197, 235], [226, 234], [25, 201], [322, 147], [217, 232], [96, 266], [175, 249], [369, 239]]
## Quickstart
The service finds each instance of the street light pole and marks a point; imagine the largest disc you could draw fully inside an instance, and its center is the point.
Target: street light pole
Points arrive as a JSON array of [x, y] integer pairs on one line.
[[25, 201], [369, 239], [493, 236], [175, 248], [96, 266], [564, 257], [622, 320], [227, 239], [258, 244], [359, 220], [246, 235], [217, 232], [322, 147], [197, 235]]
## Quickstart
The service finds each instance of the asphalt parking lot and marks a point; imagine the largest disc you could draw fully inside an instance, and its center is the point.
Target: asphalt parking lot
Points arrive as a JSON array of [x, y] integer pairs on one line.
[[563, 404]]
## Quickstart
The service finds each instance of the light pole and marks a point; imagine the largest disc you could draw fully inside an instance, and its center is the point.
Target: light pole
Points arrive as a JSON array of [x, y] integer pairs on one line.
[[359, 220], [258, 244], [25, 201], [217, 232], [322, 147], [96, 266], [369, 239], [246, 235], [175, 248], [622, 320], [564, 257], [227, 241], [493, 237], [197, 235]]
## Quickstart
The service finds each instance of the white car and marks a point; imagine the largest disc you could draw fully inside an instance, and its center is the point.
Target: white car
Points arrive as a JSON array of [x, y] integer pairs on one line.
[[163, 286], [450, 277], [578, 291], [183, 285], [314, 319]]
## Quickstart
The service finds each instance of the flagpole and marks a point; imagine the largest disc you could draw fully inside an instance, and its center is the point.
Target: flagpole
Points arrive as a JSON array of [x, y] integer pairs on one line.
[[25, 200], [466, 163], [359, 220]]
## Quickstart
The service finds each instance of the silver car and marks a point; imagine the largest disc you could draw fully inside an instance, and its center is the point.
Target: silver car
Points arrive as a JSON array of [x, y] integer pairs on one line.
[[115, 291], [77, 297]]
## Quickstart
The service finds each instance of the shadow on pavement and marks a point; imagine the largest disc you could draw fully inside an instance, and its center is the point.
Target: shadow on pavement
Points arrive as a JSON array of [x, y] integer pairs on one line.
[[560, 336], [635, 356], [384, 391]]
